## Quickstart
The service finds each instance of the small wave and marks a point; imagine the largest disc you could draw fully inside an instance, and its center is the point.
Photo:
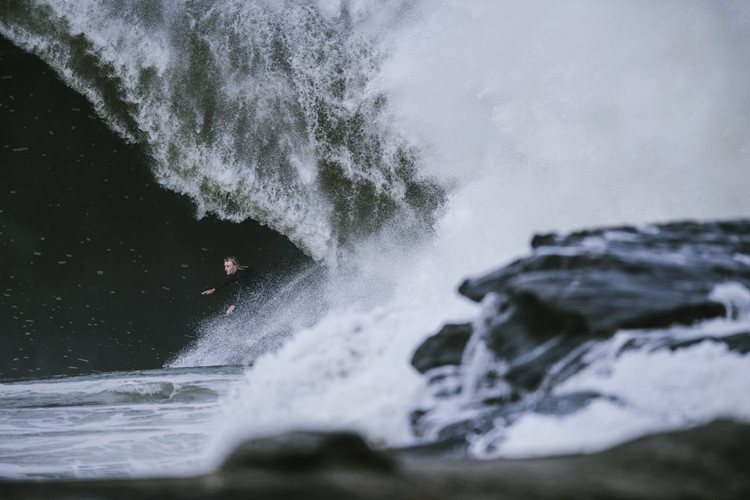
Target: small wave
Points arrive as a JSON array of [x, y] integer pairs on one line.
[[108, 389], [135, 393]]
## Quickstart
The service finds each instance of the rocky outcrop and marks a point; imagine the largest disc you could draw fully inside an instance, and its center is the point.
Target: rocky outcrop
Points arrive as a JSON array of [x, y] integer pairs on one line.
[[601, 281], [299, 451], [704, 463], [542, 313], [444, 348]]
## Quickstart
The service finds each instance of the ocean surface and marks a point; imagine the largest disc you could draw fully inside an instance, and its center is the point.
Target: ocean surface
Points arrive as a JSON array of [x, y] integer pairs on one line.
[[366, 157], [117, 424]]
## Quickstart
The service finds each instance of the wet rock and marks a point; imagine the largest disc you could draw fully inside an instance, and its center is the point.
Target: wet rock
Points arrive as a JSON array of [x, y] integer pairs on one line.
[[590, 284], [492, 415], [542, 313], [444, 348], [516, 326], [306, 450], [647, 279], [738, 342]]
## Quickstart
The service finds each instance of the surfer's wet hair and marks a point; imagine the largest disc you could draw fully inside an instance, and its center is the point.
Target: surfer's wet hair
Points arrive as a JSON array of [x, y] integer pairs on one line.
[[234, 261]]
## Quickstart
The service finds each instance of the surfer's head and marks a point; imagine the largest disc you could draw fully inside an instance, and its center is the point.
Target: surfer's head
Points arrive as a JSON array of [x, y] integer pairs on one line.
[[231, 264]]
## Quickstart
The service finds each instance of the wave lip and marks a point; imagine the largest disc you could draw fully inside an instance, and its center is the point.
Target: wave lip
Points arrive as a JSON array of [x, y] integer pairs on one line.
[[254, 110]]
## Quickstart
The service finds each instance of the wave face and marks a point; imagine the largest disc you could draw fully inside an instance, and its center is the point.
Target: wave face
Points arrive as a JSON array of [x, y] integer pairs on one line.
[[258, 110]]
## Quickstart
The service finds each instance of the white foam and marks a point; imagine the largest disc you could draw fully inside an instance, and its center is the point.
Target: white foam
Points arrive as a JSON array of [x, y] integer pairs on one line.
[[657, 391], [556, 116], [735, 297]]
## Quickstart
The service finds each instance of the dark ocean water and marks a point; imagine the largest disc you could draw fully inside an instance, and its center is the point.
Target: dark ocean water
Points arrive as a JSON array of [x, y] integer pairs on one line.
[[101, 269]]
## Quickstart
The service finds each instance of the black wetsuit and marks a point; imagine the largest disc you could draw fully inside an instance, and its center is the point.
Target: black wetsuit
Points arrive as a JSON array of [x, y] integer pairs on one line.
[[249, 281]]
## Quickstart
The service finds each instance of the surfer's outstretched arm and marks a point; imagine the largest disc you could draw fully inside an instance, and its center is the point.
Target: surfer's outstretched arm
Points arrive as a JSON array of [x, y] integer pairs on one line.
[[235, 274]]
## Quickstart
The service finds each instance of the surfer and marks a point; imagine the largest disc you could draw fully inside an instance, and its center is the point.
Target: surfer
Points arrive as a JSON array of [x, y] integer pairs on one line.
[[248, 280]]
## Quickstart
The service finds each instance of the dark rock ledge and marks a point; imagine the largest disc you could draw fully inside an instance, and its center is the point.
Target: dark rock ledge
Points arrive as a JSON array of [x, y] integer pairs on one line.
[[709, 462], [542, 313], [588, 285]]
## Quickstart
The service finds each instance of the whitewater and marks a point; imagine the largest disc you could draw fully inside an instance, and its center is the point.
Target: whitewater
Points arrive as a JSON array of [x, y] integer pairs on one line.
[[406, 146]]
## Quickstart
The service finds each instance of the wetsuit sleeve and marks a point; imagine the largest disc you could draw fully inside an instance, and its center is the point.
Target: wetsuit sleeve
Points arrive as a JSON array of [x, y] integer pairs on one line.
[[227, 281]]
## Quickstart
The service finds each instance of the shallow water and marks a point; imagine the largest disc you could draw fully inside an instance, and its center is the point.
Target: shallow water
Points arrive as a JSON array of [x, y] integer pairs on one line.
[[116, 424]]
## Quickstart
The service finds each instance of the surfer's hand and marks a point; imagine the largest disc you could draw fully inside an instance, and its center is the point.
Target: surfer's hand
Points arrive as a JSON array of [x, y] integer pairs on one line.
[[207, 292], [230, 310]]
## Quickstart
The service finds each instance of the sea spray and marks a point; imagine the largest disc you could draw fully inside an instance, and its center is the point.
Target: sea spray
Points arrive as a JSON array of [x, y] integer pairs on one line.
[[563, 115], [260, 325]]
